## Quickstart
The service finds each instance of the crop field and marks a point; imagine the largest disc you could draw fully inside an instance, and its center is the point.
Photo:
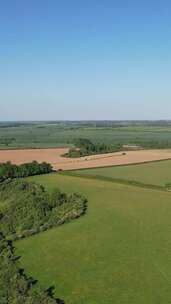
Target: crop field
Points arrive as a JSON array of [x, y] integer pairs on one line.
[[154, 173], [48, 135], [55, 158], [119, 252]]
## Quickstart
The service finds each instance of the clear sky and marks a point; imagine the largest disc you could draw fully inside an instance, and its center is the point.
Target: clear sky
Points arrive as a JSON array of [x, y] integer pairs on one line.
[[92, 59]]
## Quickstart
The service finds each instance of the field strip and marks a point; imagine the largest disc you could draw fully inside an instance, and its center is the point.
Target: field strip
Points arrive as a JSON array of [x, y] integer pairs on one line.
[[117, 181], [54, 157], [121, 165]]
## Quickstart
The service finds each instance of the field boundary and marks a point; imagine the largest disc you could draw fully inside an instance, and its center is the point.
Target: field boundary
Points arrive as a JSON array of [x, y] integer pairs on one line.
[[121, 165], [126, 182], [33, 148]]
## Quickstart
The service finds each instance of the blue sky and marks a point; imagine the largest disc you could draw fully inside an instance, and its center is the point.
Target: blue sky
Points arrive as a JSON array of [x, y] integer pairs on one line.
[[73, 59]]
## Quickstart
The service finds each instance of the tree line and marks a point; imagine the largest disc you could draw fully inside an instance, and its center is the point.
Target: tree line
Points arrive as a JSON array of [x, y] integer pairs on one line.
[[15, 286], [84, 147], [8, 170], [26, 208]]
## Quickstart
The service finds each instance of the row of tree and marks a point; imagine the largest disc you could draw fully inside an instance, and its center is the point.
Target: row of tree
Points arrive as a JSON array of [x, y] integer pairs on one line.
[[8, 170]]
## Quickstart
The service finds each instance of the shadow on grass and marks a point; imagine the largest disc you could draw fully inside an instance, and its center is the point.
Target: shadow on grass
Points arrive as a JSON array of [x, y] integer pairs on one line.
[[50, 293]]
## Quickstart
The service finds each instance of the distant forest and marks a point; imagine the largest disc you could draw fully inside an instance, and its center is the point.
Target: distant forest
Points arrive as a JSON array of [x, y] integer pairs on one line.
[[88, 123]]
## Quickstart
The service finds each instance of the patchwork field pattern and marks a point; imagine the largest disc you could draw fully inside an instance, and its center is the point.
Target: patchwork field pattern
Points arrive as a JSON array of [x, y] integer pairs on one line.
[[48, 135]]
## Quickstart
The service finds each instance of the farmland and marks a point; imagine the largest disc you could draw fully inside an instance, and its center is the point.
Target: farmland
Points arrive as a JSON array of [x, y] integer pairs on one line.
[[64, 134], [55, 158], [155, 173], [119, 252], [85, 152]]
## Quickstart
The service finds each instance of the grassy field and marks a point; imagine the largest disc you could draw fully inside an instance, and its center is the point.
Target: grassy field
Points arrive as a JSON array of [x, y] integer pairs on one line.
[[119, 252], [44, 135], [154, 173]]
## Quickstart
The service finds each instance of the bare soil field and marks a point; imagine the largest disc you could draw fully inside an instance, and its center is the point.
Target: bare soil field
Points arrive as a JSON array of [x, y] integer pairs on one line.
[[54, 156], [20, 156]]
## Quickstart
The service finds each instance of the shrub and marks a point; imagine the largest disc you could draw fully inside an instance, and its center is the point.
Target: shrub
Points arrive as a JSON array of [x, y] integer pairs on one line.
[[26, 208]]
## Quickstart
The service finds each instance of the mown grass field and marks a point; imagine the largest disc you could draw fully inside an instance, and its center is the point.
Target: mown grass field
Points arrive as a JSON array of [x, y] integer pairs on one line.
[[119, 252], [154, 173]]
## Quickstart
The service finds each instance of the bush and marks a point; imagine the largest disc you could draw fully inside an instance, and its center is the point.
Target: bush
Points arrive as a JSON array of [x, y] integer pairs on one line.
[[26, 208]]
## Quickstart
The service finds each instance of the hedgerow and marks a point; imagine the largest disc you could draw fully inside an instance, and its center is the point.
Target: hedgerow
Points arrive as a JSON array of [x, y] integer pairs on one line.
[[8, 170]]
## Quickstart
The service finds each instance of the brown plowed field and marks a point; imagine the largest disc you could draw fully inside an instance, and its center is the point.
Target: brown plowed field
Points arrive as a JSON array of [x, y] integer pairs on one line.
[[54, 157]]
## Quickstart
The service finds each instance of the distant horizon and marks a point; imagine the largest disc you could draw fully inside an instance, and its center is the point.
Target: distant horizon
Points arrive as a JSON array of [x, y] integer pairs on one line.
[[89, 120]]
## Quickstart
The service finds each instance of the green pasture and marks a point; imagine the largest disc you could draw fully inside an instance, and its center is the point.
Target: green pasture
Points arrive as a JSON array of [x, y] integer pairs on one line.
[[154, 173], [118, 253]]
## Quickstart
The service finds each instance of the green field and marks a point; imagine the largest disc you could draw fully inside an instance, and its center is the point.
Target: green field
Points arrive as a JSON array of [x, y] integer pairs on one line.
[[154, 173], [44, 134], [119, 252]]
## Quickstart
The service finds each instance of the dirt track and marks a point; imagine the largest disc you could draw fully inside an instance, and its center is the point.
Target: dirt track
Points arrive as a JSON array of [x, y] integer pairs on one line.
[[54, 157]]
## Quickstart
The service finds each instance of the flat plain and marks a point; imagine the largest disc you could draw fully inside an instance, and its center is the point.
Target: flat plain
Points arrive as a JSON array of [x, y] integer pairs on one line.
[[63, 134], [55, 158], [119, 252], [154, 173]]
